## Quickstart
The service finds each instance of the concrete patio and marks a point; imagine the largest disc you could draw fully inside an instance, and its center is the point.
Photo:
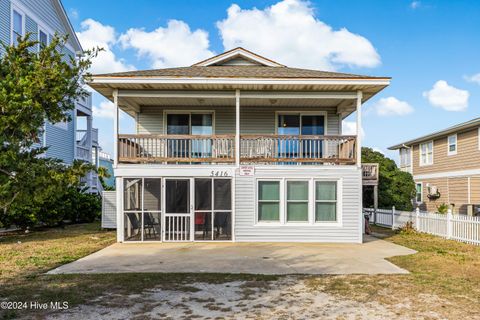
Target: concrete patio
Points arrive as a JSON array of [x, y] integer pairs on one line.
[[255, 258]]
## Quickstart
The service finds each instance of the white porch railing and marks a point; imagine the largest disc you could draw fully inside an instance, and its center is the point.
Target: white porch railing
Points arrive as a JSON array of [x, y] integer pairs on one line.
[[177, 227], [83, 153], [297, 148], [450, 226], [176, 148], [265, 148]]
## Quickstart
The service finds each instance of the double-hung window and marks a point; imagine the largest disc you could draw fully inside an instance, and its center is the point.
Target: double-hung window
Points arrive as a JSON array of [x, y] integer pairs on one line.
[[426, 153], [297, 201], [42, 39], [452, 144], [325, 201], [268, 201], [418, 192], [17, 26], [405, 157]]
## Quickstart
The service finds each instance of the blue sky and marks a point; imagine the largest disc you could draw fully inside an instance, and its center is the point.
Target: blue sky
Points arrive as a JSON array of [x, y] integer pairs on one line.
[[429, 48]]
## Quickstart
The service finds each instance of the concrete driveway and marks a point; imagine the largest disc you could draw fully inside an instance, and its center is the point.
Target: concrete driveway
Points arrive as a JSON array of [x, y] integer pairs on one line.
[[255, 258]]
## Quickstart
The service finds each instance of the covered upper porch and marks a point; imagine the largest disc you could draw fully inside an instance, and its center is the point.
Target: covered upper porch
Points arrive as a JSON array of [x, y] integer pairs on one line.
[[237, 108]]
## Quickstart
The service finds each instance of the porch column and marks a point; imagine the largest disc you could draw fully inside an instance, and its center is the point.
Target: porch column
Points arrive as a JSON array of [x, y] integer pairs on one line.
[[237, 127], [115, 128], [359, 129], [90, 151]]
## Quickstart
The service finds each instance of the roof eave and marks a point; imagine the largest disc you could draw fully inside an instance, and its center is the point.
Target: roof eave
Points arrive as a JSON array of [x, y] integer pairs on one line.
[[66, 20], [229, 80], [438, 134]]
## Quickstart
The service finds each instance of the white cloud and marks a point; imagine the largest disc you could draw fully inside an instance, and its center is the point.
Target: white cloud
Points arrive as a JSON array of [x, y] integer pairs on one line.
[[378, 150], [475, 78], [391, 106], [94, 34], [415, 4], [289, 32], [172, 46], [447, 97], [105, 110], [350, 128]]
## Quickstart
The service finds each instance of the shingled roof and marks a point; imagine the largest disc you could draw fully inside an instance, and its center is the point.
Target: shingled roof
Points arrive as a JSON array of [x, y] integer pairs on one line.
[[253, 66], [237, 72]]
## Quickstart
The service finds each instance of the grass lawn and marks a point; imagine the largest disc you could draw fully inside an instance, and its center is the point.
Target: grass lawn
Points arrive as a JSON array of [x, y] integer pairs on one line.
[[24, 258], [444, 280]]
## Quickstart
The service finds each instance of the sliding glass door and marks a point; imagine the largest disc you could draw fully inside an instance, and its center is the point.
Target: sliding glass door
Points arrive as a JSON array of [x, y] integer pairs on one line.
[[184, 124], [293, 125]]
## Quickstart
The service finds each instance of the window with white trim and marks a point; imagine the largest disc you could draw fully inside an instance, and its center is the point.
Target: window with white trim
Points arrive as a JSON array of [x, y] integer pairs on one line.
[[405, 156], [297, 201], [42, 39], [17, 26], [426, 153], [325, 201], [418, 192], [293, 201], [268, 201], [452, 144]]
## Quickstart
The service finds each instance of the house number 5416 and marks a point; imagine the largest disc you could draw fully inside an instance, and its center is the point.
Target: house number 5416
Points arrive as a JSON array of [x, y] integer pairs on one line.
[[217, 173]]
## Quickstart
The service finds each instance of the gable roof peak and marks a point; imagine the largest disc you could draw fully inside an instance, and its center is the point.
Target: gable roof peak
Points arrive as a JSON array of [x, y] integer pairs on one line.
[[237, 56]]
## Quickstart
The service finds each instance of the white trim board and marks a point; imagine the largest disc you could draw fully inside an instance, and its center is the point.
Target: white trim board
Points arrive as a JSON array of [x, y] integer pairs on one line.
[[244, 94], [157, 170], [238, 53], [447, 174], [203, 80]]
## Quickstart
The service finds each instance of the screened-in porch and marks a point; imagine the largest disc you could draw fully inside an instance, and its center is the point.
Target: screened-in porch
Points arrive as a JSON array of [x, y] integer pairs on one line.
[[177, 209]]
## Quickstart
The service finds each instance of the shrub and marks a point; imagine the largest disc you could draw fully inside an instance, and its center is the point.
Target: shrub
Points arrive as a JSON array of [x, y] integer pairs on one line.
[[443, 208]]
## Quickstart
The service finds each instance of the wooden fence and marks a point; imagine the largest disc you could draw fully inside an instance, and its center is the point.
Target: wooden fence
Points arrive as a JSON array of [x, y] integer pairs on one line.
[[449, 226]]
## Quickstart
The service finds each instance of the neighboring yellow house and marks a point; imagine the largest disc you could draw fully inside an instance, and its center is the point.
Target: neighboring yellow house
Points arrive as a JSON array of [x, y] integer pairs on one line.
[[446, 167]]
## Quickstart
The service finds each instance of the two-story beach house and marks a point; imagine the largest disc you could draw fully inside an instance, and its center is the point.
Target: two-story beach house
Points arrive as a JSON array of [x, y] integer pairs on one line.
[[446, 167], [238, 148], [42, 19]]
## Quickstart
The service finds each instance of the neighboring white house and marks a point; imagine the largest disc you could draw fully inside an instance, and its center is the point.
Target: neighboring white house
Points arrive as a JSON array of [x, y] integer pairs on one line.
[[66, 141], [238, 148]]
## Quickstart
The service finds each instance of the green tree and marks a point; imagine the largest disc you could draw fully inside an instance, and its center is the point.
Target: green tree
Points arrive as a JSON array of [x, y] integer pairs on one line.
[[396, 187], [102, 175], [35, 86]]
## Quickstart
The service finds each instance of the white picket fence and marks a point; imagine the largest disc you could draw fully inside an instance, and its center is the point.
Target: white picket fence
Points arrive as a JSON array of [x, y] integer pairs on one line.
[[450, 226]]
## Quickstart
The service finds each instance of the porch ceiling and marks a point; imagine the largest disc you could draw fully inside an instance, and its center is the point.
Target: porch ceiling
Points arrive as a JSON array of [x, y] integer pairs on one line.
[[133, 104], [244, 102]]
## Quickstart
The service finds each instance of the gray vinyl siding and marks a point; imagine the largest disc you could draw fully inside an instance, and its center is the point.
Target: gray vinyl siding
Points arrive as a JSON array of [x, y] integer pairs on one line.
[[61, 142], [31, 27], [46, 12], [245, 208], [260, 120], [245, 228], [5, 12]]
